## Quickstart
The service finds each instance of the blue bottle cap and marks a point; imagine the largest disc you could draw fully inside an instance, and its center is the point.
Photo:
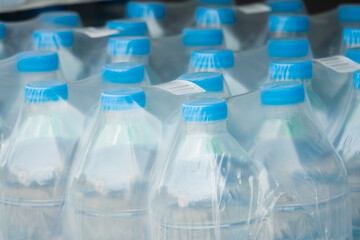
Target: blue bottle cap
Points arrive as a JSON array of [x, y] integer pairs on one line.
[[123, 99], [45, 91], [209, 81], [123, 73], [129, 46], [353, 54], [351, 36], [349, 13], [215, 16], [288, 23], [2, 30], [128, 27], [37, 61], [202, 37], [291, 70], [288, 47], [204, 110], [145, 10], [357, 79], [286, 6], [212, 58], [282, 93], [65, 18], [220, 2], [52, 38]]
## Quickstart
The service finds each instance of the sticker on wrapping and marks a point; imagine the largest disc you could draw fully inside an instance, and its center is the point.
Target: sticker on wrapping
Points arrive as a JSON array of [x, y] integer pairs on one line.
[[180, 87], [339, 64], [254, 8], [96, 32]]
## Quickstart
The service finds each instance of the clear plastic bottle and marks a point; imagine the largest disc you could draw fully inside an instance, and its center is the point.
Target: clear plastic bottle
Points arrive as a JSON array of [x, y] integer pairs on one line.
[[223, 18], [209, 188], [314, 200], [151, 12], [108, 194], [288, 26], [34, 168], [217, 60], [132, 49], [60, 18], [300, 70], [347, 144], [128, 27], [31, 66], [62, 42]]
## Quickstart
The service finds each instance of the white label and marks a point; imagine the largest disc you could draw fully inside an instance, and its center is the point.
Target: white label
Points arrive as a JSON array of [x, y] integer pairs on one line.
[[339, 64], [96, 32], [180, 87], [255, 8]]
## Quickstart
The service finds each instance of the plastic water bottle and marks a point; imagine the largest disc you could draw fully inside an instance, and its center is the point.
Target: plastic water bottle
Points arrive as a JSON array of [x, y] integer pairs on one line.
[[288, 26], [353, 54], [38, 65], [124, 74], [31, 66], [348, 17], [223, 18], [151, 12], [209, 187], [132, 49], [60, 18], [61, 41], [128, 27], [109, 186], [302, 71], [314, 201], [285, 6], [34, 169], [347, 144], [217, 60]]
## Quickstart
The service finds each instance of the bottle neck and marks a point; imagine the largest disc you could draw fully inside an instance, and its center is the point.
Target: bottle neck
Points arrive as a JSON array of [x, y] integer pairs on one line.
[[212, 127], [47, 107], [128, 116], [143, 59], [282, 111], [288, 34]]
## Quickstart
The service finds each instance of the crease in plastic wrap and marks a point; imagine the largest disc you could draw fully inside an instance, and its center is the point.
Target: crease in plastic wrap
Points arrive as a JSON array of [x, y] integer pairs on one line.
[[203, 184], [36, 161], [131, 126], [279, 131], [346, 142]]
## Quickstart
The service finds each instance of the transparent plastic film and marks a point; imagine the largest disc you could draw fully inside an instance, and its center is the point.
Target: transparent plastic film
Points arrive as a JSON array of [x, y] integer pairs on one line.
[[287, 25], [85, 93], [132, 49], [279, 131], [63, 42], [223, 18], [108, 189], [207, 186], [36, 163], [346, 143]]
